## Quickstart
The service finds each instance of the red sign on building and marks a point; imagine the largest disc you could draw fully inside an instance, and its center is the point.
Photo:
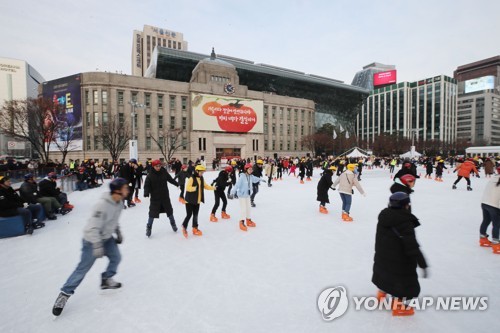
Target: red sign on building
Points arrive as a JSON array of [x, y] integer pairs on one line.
[[384, 78]]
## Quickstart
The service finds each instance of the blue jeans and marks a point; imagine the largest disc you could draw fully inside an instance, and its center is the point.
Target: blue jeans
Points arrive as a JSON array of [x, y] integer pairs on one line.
[[36, 212], [110, 250], [490, 214], [346, 202]]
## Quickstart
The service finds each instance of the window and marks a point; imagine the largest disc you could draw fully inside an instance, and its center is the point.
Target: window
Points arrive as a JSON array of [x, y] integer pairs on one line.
[[104, 97], [302, 130], [121, 118], [172, 122], [160, 121], [202, 144], [274, 129], [88, 143], [104, 118], [135, 120], [87, 116], [134, 97], [160, 141], [274, 144], [120, 98], [288, 129], [148, 143], [172, 102], [184, 103], [96, 97], [87, 97], [265, 112], [148, 121], [296, 112], [160, 101], [265, 144], [184, 123], [281, 129], [295, 145], [96, 119], [184, 143], [288, 112], [273, 112], [295, 129], [96, 143], [302, 115], [265, 128], [175, 44], [281, 113], [281, 146], [148, 100], [169, 43], [179, 45]]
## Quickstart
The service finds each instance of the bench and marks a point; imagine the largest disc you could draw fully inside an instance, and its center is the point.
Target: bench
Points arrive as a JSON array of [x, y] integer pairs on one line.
[[11, 226]]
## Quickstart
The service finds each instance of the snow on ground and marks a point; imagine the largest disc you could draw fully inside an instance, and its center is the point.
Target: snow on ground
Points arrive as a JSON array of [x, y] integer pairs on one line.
[[265, 280]]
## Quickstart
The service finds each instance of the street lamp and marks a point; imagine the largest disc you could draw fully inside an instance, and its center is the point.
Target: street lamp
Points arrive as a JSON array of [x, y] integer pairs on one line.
[[133, 142]]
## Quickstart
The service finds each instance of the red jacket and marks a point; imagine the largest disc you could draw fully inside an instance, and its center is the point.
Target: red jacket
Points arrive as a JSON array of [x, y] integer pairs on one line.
[[465, 168]]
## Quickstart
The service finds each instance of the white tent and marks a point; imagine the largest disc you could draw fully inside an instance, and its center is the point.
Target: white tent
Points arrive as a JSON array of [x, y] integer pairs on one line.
[[410, 154], [356, 153]]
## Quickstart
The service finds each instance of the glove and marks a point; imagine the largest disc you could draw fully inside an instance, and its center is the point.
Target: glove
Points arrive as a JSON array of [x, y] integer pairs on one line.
[[425, 273], [97, 250], [119, 236]]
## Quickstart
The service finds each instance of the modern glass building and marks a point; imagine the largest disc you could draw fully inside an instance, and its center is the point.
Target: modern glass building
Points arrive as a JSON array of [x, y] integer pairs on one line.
[[426, 109], [335, 102]]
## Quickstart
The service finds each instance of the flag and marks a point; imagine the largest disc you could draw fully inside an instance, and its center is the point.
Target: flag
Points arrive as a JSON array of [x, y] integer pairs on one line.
[[347, 135], [334, 135], [341, 129]]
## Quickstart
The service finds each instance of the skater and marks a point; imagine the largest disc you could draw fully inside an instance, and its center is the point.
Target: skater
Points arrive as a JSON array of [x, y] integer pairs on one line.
[[489, 166], [138, 181], [404, 184], [309, 169], [155, 186], [232, 178], [464, 171], [408, 168], [98, 241], [346, 181], [490, 205], [302, 170], [428, 168], [257, 172], [195, 194], [181, 179], [279, 170], [221, 182], [243, 191], [439, 170], [392, 164], [325, 184], [397, 255], [127, 172], [360, 169]]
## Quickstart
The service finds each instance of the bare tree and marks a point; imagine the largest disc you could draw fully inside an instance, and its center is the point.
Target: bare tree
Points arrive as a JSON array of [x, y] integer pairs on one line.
[[170, 142], [65, 145], [114, 135], [31, 120]]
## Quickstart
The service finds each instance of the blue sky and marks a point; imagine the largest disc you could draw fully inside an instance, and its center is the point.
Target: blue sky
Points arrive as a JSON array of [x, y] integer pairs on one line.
[[329, 38]]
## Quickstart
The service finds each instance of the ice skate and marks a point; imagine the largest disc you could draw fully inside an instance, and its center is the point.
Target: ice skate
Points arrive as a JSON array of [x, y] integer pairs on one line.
[[495, 247], [213, 218], [137, 200], [400, 309], [454, 187], [346, 217], [68, 206], [109, 283], [250, 223], [131, 204], [301, 181], [484, 241], [469, 188], [381, 295], [182, 201], [225, 216], [60, 303], [148, 231], [197, 232], [253, 204], [243, 227], [184, 232], [323, 210]]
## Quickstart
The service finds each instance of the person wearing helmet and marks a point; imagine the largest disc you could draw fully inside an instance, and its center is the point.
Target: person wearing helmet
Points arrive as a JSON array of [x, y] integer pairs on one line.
[[127, 172], [257, 173], [181, 179], [138, 181], [407, 168], [397, 254], [490, 205], [464, 171], [48, 188], [98, 241], [309, 168], [232, 178], [195, 194], [155, 186], [439, 170], [222, 180], [29, 194], [243, 191], [346, 181], [325, 184], [404, 184], [302, 170]]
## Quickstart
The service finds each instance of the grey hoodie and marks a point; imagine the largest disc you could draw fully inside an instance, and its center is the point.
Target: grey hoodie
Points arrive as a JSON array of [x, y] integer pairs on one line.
[[104, 220]]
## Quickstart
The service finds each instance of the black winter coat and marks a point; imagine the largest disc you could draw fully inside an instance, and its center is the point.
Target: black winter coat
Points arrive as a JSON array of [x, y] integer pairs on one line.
[[48, 188], [9, 202], [156, 187], [324, 185], [404, 171], [29, 192], [127, 172], [181, 178], [397, 253], [221, 181]]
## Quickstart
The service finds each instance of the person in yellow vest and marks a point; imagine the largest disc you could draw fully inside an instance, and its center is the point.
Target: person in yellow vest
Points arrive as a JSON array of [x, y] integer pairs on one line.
[[195, 187]]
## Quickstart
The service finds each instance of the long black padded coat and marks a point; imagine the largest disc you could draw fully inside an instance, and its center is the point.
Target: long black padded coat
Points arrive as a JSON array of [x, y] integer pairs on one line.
[[324, 185], [397, 253], [155, 186]]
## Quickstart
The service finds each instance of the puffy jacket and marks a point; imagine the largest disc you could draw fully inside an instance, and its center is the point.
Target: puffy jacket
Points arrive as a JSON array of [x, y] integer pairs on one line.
[[9, 202], [195, 187], [48, 188], [465, 169], [29, 192], [491, 195], [346, 181], [243, 187]]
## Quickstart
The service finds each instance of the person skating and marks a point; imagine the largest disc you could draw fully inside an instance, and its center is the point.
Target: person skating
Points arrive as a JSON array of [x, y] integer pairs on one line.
[[127, 172], [407, 168], [404, 184], [195, 194], [155, 186], [428, 168], [243, 191], [98, 241], [309, 169], [181, 179], [397, 254], [490, 205], [439, 170], [257, 172], [325, 183], [138, 181], [346, 181], [221, 182], [464, 171], [302, 170], [232, 177]]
